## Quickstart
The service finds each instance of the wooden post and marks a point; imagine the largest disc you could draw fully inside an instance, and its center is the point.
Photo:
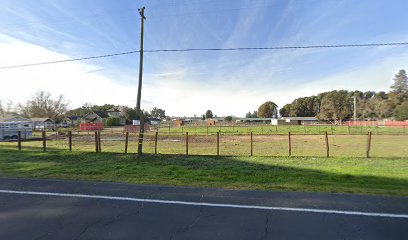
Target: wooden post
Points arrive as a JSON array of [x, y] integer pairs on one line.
[[70, 141], [44, 140], [368, 145], [289, 144], [156, 138], [126, 142], [326, 138], [251, 145], [218, 144], [96, 142], [99, 141], [186, 143], [19, 140], [348, 128]]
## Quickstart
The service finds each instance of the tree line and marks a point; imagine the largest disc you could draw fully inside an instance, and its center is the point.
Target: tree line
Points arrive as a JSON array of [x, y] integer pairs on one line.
[[338, 105], [43, 105]]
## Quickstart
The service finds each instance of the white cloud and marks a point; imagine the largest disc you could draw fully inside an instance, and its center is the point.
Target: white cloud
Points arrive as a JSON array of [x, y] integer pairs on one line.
[[69, 79], [178, 91]]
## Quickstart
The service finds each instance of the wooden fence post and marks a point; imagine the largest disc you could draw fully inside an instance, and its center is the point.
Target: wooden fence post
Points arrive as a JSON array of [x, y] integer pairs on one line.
[[155, 142], [96, 142], [326, 138], [251, 145], [19, 140], [289, 144], [44, 140], [70, 140], [368, 145], [218, 144], [186, 143], [126, 141], [99, 141]]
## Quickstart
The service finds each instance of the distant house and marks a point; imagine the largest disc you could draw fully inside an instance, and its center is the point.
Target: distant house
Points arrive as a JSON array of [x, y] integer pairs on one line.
[[179, 122], [211, 122], [72, 120], [98, 116], [113, 112], [94, 116], [294, 121], [155, 121], [254, 120], [42, 123], [12, 117]]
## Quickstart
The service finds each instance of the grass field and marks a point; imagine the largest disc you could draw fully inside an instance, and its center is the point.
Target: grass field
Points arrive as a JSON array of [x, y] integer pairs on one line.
[[378, 176], [233, 144]]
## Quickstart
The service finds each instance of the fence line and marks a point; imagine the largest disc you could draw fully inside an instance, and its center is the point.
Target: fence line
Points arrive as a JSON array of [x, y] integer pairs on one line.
[[220, 144]]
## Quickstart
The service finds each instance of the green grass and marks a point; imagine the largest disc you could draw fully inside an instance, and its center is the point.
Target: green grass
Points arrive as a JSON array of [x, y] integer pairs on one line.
[[376, 176], [234, 145]]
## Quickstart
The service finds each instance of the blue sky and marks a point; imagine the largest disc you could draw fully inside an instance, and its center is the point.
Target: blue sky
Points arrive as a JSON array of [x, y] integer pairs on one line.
[[189, 83]]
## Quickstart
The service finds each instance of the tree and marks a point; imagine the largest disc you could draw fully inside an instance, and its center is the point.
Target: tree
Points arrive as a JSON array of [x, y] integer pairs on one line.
[[6, 106], [401, 112], [285, 110], [111, 121], [209, 114], [335, 105], [228, 118], [131, 114], [158, 113], [251, 115], [43, 105], [268, 110], [400, 85]]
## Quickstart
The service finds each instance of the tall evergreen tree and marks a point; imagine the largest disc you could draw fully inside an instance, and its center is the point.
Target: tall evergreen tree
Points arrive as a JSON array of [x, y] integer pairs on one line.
[[400, 85]]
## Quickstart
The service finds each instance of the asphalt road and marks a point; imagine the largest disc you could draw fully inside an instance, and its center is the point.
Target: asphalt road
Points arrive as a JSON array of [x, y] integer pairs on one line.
[[97, 210]]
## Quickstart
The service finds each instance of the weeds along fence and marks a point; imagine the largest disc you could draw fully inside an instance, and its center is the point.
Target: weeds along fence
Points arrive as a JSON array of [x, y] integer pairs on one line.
[[325, 144]]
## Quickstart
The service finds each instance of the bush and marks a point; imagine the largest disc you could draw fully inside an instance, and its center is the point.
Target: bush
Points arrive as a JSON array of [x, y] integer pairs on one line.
[[111, 121], [401, 112]]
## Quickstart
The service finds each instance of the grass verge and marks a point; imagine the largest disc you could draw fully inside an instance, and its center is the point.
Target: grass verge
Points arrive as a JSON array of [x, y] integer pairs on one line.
[[374, 176]]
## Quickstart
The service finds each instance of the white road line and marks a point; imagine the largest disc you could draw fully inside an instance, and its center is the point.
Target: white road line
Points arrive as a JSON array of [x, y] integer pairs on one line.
[[311, 210]]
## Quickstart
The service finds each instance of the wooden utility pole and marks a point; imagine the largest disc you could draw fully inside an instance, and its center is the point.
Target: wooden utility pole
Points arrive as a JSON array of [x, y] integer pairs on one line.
[[139, 89]]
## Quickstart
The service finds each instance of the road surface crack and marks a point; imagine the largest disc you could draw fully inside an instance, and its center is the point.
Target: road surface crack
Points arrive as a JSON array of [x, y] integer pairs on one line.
[[266, 227], [85, 229]]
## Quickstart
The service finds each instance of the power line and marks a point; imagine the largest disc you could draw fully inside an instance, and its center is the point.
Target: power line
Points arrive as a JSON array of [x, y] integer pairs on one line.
[[209, 49]]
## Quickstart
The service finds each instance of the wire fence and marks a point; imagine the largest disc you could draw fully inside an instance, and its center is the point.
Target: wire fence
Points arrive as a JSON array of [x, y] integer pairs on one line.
[[220, 144], [281, 129]]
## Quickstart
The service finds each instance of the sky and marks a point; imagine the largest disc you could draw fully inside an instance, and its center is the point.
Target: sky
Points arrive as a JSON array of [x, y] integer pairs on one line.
[[189, 83]]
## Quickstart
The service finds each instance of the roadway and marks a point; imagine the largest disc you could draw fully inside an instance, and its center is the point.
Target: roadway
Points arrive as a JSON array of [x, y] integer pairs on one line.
[[56, 209]]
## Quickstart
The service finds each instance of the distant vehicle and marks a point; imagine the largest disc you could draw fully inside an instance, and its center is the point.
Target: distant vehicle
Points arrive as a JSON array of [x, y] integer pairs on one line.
[[9, 130]]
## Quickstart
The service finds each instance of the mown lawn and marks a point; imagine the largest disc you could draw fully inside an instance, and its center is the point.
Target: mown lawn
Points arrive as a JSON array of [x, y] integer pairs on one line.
[[376, 176]]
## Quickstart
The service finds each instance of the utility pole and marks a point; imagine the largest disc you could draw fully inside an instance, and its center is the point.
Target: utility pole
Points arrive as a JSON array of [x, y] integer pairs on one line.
[[355, 109], [139, 89]]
